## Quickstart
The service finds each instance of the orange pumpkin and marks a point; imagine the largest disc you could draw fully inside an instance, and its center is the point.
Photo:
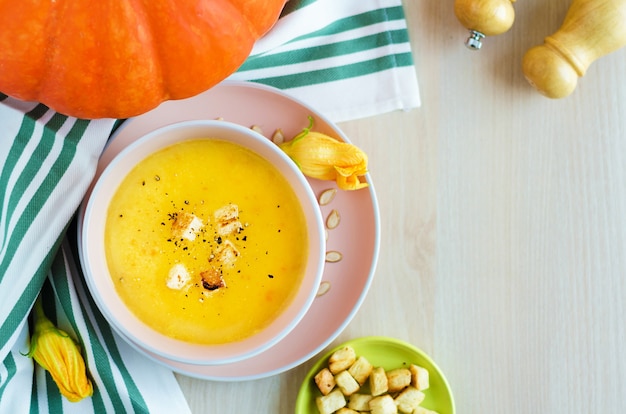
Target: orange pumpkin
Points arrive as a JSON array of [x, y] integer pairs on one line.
[[121, 58]]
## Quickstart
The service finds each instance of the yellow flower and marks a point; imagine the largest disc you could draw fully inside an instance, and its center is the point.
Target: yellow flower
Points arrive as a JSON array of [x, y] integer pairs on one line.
[[57, 353], [326, 158]]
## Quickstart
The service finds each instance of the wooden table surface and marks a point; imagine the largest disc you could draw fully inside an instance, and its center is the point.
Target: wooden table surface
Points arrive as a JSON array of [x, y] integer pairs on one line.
[[503, 218]]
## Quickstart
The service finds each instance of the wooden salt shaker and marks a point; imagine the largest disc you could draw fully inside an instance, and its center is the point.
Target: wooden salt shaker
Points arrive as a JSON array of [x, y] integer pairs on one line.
[[591, 29], [484, 18]]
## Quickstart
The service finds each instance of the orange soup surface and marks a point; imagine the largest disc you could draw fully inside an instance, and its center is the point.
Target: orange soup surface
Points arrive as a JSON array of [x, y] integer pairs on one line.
[[206, 241]]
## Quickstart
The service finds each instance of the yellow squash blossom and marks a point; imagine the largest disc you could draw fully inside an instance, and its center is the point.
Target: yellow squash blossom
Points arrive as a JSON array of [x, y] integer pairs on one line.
[[57, 353], [326, 158]]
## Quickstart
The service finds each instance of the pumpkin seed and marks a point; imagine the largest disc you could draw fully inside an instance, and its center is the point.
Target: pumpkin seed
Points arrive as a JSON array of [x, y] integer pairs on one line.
[[333, 219], [333, 256], [278, 137], [327, 196], [257, 129], [323, 289]]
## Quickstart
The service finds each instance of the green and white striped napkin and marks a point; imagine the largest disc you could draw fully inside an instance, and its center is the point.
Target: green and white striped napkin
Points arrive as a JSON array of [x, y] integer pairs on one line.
[[348, 59]]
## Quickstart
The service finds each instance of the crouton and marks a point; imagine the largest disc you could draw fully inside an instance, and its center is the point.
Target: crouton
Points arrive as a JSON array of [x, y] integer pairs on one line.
[[383, 404], [409, 399], [178, 277], [398, 379], [360, 402], [346, 383], [361, 369], [345, 410], [226, 254], [226, 219], [212, 279], [328, 404], [325, 381], [378, 381], [419, 377], [186, 225], [341, 359]]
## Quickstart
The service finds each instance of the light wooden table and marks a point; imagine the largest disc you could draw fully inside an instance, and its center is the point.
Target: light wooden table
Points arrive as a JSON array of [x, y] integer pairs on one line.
[[503, 228]]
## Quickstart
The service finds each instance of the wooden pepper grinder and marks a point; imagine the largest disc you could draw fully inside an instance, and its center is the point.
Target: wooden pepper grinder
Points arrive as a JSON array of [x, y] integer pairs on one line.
[[591, 29], [484, 18]]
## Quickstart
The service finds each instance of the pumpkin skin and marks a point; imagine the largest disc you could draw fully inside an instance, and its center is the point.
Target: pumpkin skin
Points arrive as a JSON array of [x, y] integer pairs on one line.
[[121, 58]]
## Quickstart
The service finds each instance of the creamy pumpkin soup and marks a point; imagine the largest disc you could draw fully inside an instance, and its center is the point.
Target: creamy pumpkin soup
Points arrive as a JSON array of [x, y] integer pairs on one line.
[[206, 241]]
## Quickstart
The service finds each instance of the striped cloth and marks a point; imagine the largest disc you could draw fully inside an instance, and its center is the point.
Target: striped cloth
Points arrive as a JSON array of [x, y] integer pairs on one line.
[[348, 59], [47, 162]]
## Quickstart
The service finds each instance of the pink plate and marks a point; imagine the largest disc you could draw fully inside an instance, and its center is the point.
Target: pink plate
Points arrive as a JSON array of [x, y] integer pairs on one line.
[[356, 237]]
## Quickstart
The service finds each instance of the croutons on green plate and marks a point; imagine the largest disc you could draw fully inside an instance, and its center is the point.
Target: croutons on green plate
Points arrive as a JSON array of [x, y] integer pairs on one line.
[[405, 379]]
